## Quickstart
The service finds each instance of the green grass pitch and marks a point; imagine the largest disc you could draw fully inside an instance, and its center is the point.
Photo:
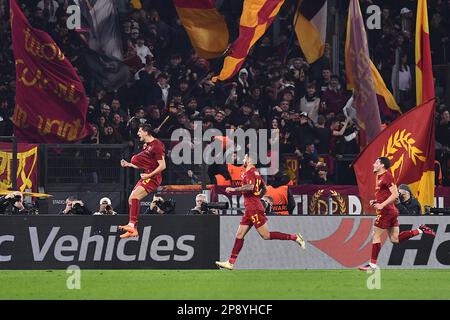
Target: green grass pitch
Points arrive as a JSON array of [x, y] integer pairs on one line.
[[218, 284]]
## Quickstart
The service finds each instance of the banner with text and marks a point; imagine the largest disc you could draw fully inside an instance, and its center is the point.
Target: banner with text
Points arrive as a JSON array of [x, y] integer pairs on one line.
[[321, 199], [51, 103], [93, 242]]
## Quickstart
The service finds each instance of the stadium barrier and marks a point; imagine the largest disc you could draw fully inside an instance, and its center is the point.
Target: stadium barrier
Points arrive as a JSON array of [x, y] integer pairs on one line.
[[92, 242], [195, 242], [337, 242]]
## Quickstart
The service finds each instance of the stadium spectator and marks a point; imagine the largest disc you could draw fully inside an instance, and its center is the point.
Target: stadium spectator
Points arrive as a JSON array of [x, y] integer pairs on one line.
[[267, 93], [333, 97], [321, 175], [310, 103], [309, 163]]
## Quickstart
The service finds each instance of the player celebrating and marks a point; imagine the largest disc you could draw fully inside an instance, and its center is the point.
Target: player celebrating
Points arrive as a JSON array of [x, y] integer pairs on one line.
[[151, 159], [385, 195], [253, 187]]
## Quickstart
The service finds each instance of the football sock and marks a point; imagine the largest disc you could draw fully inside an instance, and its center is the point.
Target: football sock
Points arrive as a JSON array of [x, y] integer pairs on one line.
[[405, 235], [376, 247], [134, 211], [238, 244], [282, 236]]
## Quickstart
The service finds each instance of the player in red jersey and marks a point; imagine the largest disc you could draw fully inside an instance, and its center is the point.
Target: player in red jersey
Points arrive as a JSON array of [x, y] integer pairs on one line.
[[151, 159], [387, 214], [253, 187]]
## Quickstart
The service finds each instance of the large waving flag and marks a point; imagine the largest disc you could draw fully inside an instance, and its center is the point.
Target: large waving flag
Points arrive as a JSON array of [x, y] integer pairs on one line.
[[51, 104], [256, 18], [388, 104], [424, 70], [359, 74], [411, 149], [102, 17], [383, 93], [205, 27], [311, 28], [100, 33]]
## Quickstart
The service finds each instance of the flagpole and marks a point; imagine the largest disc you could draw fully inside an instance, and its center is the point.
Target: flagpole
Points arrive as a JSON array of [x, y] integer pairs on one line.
[[291, 38]]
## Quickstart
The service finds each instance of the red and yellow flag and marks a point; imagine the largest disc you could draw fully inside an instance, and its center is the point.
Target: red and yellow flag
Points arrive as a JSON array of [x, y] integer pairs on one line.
[[311, 28], [51, 103], [424, 70], [359, 74], [205, 27], [354, 25], [256, 18], [411, 149], [27, 166]]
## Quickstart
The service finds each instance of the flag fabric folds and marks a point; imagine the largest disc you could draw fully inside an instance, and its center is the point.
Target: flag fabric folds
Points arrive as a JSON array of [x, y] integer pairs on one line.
[[27, 166], [424, 70], [205, 27], [256, 18], [311, 27], [51, 103], [359, 74], [103, 44], [109, 72], [104, 29], [383, 92], [411, 149]]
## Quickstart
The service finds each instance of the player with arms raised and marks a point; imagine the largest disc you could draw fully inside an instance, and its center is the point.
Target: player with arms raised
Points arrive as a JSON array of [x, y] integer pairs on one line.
[[253, 187], [387, 214], [151, 159]]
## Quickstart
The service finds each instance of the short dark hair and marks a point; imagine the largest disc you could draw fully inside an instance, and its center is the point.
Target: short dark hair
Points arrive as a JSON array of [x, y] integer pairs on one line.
[[385, 162], [146, 127]]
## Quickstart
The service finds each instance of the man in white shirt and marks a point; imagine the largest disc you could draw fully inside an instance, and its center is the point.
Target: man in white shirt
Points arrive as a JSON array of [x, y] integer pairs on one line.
[[142, 50]]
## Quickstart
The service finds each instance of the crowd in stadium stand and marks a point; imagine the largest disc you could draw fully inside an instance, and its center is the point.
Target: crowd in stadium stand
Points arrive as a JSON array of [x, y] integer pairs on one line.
[[275, 89]]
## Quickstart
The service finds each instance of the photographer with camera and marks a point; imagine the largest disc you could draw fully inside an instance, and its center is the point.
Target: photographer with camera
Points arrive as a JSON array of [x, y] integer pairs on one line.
[[161, 206], [105, 207], [75, 206], [12, 204], [201, 206], [406, 203]]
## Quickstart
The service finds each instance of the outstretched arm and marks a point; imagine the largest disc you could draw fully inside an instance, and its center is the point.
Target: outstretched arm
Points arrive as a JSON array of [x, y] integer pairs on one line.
[[126, 164], [244, 188]]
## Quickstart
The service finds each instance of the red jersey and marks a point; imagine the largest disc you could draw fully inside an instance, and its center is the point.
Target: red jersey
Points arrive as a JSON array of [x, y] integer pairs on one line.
[[251, 198], [148, 158], [384, 182]]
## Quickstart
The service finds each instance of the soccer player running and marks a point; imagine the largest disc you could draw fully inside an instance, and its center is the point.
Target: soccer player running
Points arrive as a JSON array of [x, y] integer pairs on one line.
[[151, 159], [385, 195], [253, 187]]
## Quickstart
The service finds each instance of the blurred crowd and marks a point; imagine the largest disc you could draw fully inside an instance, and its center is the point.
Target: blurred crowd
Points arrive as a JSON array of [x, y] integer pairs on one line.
[[170, 86]]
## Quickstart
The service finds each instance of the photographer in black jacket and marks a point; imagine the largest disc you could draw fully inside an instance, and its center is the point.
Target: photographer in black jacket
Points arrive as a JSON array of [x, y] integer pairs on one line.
[[201, 206], [161, 206], [75, 206], [12, 204], [406, 203]]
